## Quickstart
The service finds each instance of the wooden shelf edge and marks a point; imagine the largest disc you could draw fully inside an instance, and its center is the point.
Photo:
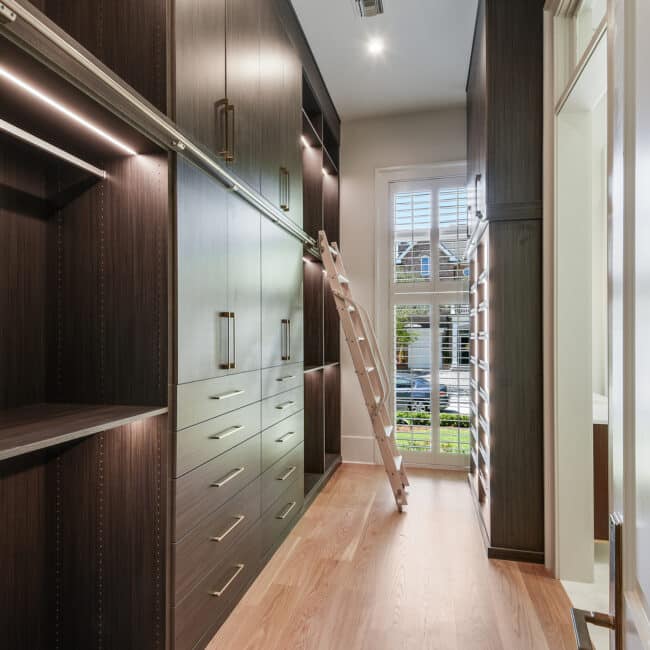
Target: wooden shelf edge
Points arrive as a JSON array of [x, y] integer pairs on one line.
[[332, 364], [49, 425]]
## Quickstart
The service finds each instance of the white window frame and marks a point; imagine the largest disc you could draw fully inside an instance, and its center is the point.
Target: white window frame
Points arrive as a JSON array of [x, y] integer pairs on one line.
[[451, 291]]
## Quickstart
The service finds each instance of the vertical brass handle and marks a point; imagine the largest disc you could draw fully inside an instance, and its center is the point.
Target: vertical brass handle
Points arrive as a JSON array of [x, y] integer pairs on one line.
[[220, 592], [233, 146], [285, 340], [233, 363], [289, 340], [477, 180], [285, 189], [222, 108], [226, 365]]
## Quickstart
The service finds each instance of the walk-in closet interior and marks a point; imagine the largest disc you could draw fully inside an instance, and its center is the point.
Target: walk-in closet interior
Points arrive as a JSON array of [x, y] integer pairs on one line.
[[169, 351]]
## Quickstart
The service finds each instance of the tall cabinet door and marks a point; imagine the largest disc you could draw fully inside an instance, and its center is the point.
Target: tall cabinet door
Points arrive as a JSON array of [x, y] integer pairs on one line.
[[200, 57], [244, 288], [282, 319], [202, 295], [272, 102], [292, 121], [243, 88]]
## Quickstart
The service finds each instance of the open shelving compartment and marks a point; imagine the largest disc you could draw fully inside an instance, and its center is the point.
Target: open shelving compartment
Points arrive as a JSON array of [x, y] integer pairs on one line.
[[322, 328], [83, 367]]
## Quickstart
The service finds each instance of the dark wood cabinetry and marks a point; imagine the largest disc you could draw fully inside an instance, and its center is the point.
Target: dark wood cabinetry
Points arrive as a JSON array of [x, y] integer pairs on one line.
[[505, 190], [140, 528]]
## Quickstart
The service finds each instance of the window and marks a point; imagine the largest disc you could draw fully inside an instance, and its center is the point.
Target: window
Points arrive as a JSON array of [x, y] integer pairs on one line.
[[430, 320]]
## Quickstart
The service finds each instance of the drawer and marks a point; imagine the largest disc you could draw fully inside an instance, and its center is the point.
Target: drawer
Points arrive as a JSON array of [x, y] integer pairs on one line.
[[201, 442], [203, 400], [281, 379], [281, 438], [281, 406], [208, 605], [209, 543], [286, 471], [282, 514], [208, 487]]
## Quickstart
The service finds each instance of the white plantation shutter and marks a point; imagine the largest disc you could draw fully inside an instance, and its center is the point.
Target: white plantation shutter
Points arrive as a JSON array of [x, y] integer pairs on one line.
[[412, 223], [453, 235]]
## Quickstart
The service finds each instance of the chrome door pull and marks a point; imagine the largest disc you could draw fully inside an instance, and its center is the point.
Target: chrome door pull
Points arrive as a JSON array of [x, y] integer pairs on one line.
[[232, 393], [288, 473], [220, 538], [284, 405], [226, 433], [581, 618], [229, 477], [287, 509], [286, 436], [238, 569]]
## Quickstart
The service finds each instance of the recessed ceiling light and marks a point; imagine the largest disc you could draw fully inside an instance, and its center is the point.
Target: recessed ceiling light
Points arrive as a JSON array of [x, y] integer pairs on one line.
[[375, 46]]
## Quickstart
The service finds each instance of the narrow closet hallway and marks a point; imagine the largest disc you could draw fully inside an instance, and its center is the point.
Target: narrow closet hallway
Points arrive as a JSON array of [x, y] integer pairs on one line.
[[355, 574]]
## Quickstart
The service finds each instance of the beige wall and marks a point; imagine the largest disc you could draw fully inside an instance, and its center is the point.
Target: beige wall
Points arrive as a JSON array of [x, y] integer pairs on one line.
[[367, 145]]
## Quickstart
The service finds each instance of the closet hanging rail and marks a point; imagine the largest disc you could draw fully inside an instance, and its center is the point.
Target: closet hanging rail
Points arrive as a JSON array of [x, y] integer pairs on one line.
[[29, 138], [48, 43]]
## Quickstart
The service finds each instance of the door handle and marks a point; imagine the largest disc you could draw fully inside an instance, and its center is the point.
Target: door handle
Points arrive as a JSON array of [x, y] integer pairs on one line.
[[288, 473], [233, 146], [223, 110], [477, 180], [220, 592], [229, 477], [219, 538], [286, 436], [285, 189], [286, 378], [232, 393], [582, 618], [284, 405], [286, 339], [233, 363], [286, 510], [228, 315]]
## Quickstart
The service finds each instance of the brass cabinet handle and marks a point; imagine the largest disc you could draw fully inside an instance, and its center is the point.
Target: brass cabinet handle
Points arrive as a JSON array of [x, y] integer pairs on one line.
[[285, 339], [232, 393], [233, 146], [286, 378], [220, 538], [287, 509], [286, 436], [233, 363], [477, 180], [220, 592], [223, 109], [288, 473], [284, 405], [285, 189], [229, 477], [226, 314], [226, 433]]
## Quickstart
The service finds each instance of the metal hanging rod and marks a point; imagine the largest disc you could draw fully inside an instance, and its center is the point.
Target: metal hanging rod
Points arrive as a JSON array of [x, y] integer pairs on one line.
[[35, 141], [55, 49]]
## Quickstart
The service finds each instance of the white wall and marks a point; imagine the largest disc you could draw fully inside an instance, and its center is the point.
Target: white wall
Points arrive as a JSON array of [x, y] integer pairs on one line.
[[367, 145]]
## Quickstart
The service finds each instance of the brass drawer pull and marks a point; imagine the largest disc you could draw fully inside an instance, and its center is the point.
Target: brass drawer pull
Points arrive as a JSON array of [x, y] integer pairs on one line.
[[284, 405], [286, 436], [238, 569], [227, 432], [288, 473], [232, 393], [220, 538], [287, 509], [229, 477], [287, 378]]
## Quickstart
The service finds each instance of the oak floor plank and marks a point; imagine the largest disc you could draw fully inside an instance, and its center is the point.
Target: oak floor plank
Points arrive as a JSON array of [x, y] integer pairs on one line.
[[354, 574]]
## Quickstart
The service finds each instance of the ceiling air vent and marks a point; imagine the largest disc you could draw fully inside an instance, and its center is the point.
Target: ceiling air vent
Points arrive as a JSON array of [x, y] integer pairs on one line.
[[368, 8]]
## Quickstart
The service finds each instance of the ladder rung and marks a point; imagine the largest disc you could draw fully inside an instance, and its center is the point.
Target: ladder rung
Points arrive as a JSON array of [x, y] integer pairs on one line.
[[370, 368], [351, 308], [342, 279], [398, 462], [361, 339], [388, 430]]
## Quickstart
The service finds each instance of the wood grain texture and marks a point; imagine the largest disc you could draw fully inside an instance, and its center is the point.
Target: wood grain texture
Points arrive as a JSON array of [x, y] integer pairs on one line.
[[30, 428], [332, 396], [119, 35], [601, 482], [313, 313], [312, 189], [314, 423], [356, 574]]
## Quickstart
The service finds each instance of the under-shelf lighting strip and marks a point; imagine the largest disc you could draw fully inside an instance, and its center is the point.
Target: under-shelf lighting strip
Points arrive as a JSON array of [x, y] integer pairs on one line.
[[172, 137]]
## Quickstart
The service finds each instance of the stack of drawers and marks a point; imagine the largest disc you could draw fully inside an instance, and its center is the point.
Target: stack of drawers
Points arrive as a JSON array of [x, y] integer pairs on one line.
[[238, 486]]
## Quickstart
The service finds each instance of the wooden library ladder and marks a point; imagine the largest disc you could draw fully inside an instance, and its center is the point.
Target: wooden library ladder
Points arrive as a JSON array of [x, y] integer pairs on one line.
[[368, 365]]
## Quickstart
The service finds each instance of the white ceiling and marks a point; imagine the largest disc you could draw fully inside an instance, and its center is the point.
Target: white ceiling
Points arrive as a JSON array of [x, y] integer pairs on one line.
[[424, 65]]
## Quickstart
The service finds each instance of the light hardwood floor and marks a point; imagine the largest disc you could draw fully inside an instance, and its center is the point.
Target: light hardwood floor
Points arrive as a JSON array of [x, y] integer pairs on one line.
[[355, 574]]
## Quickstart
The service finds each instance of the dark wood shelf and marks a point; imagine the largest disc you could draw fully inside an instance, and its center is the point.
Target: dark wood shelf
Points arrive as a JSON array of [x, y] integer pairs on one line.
[[30, 428]]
